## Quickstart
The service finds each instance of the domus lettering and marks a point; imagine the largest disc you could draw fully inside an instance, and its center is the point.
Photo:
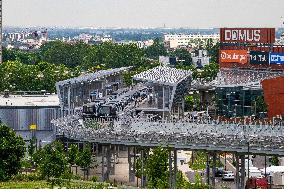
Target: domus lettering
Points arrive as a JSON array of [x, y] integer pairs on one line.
[[242, 35]]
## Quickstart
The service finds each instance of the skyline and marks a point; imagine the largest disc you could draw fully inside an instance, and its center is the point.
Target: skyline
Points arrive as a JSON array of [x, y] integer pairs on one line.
[[143, 13]]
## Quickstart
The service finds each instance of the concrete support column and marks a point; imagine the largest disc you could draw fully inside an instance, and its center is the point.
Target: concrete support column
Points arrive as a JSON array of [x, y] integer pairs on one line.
[[170, 169], [97, 150], [130, 163], [146, 158], [108, 163], [93, 148], [208, 169], [213, 169], [134, 161], [175, 169], [142, 168], [103, 163], [243, 168], [67, 145], [237, 180], [113, 158]]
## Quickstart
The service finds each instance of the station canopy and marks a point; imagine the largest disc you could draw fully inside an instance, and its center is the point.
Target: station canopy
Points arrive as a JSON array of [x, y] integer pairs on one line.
[[92, 76], [163, 75]]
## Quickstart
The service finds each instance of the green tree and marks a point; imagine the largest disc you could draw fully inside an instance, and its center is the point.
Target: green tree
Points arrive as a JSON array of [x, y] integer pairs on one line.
[[274, 160], [12, 150], [16, 76], [21, 56], [32, 148], [51, 160], [85, 159], [199, 162], [158, 168], [156, 50], [208, 73], [260, 104], [184, 57], [72, 154], [181, 181], [188, 102], [213, 51]]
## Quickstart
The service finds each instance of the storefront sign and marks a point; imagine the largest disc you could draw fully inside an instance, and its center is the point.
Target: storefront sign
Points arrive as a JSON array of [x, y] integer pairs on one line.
[[236, 56]]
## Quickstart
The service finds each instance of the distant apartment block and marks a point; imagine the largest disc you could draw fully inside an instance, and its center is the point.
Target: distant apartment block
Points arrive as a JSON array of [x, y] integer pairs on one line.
[[140, 44], [173, 41]]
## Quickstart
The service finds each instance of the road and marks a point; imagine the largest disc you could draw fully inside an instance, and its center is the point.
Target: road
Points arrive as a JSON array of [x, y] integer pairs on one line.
[[190, 174]]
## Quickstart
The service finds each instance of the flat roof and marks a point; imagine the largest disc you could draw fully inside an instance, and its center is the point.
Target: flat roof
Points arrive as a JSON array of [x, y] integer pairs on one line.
[[163, 75], [29, 101]]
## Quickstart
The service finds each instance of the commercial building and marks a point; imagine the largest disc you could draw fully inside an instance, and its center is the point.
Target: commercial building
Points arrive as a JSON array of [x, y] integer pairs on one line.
[[274, 96], [30, 114]]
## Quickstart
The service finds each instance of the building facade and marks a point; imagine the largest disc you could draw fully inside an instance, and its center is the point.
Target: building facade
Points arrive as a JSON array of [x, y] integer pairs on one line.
[[173, 41], [30, 115]]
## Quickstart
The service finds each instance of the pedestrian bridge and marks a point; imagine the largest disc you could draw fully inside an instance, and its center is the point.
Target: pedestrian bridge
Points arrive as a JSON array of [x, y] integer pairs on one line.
[[187, 134]]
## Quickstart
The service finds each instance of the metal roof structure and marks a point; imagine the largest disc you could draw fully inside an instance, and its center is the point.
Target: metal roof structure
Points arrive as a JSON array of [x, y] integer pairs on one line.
[[163, 75], [234, 77], [189, 133], [29, 101], [92, 76]]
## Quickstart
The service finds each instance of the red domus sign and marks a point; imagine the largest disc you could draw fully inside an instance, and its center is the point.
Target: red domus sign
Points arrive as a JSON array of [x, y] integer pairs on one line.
[[247, 35]]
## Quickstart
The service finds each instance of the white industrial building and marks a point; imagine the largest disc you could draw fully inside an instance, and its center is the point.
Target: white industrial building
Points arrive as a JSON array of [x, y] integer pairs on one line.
[[21, 111], [174, 41]]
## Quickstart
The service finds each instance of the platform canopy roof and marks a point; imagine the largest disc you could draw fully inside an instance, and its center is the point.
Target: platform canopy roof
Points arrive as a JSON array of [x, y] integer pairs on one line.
[[92, 76], [163, 75]]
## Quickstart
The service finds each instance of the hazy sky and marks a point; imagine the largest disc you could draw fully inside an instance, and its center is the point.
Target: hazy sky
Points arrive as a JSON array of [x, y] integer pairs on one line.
[[144, 13]]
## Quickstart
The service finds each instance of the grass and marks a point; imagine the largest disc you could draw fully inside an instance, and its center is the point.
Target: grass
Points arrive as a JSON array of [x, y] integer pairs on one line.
[[22, 185], [45, 185]]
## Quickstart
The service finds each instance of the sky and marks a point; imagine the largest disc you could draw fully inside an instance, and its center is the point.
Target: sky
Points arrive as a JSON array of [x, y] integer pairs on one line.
[[144, 13]]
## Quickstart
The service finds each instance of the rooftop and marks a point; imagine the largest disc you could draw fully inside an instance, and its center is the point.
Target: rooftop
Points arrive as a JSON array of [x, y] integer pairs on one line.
[[30, 101], [163, 75], [91, 76]]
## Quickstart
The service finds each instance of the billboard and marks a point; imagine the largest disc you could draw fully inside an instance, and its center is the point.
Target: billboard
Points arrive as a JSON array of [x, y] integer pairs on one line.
[[233, 56], [276, 58], [257, 57], [247, 35]]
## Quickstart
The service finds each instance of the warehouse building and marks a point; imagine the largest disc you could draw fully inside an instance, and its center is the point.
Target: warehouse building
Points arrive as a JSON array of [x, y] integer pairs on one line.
[[30, 115]]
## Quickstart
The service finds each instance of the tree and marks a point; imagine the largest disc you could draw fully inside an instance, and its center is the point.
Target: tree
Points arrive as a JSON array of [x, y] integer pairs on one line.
[[156, 50], [208, 73], [260, 104], [213, 51], [199, 162], [85, 159], [32, 148], [51, 160], [184, 57], [12, 150], [158, 168], [274, 160], [181, 181], [72, 154]]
